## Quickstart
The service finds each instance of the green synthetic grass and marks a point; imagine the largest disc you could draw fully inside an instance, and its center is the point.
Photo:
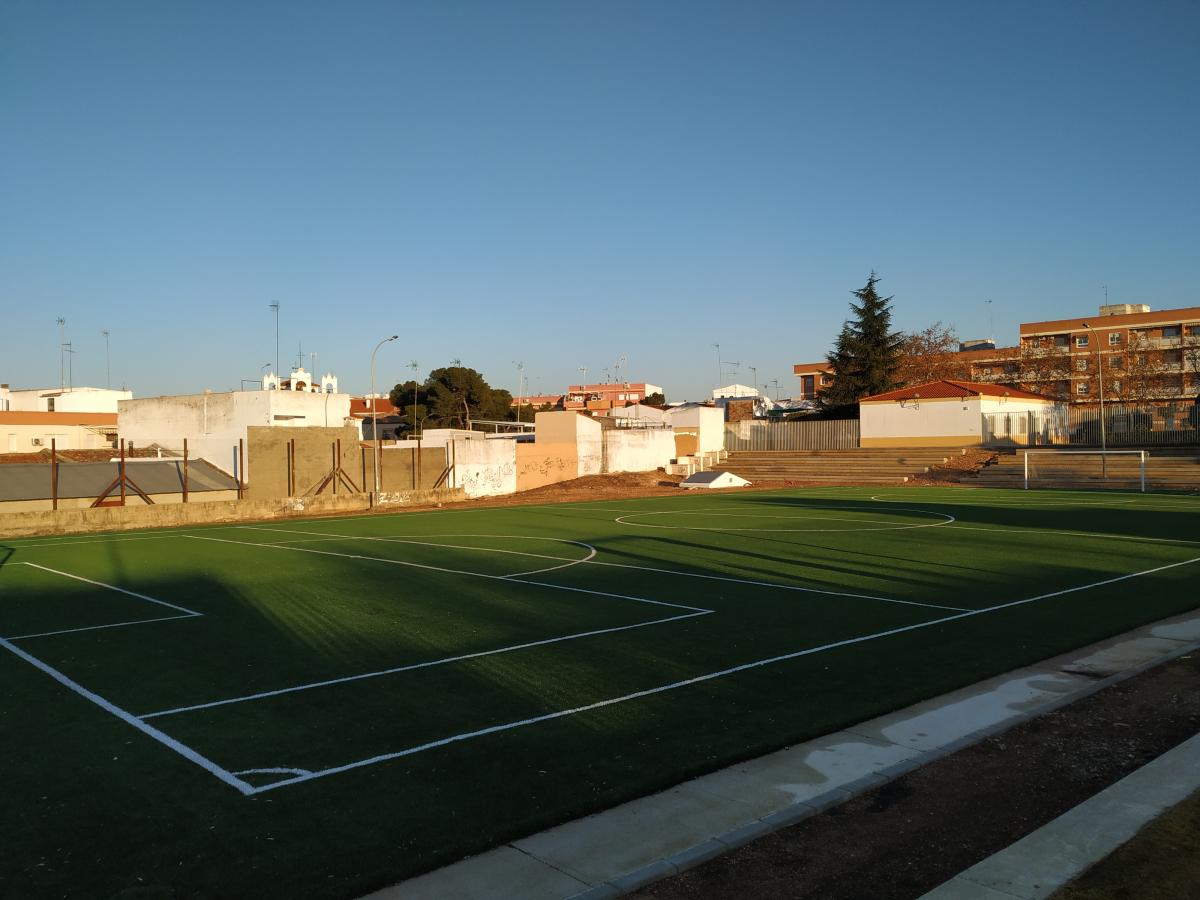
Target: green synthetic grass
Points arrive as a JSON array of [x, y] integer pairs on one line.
[[93, 807]]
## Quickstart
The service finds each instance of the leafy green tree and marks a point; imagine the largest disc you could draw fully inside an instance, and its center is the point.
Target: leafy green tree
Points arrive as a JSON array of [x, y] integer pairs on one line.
[[866, 357], [457, 394], [655, 399]]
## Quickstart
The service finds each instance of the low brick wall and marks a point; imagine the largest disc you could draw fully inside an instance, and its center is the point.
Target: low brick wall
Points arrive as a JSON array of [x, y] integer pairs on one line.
[[33, 523]]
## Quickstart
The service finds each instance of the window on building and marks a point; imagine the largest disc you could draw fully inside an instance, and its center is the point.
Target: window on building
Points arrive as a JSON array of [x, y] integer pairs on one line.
[[987, 370], [1081, 365], [1117, 362], [1116, 385], [1194, 330], [1060, 340], [49, 404], [1171, 331], [1114, 338], [1083, 388], [633, 396], [1081, 340], [826, 380]]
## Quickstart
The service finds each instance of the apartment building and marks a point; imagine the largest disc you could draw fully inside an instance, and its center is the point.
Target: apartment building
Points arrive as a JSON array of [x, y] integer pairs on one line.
[[1141, 355], [814, 378], [601, 397]]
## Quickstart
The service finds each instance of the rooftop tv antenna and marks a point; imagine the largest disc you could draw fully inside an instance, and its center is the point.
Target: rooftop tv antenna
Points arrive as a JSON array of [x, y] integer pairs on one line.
[[62, 359]]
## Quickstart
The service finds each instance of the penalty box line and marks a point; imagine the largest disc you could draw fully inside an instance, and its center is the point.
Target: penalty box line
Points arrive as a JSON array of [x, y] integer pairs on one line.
[[185, 612], [687, 682], [590, 560]]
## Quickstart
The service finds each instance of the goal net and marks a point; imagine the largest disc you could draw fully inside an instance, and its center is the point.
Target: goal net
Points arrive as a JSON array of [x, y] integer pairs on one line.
[[1122, 469]]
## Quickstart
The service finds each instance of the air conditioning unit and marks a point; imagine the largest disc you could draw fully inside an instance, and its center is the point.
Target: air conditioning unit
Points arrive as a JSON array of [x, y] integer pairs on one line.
[[37, 442]]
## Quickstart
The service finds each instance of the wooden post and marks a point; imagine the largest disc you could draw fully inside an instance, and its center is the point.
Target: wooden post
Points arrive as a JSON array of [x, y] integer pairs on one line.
[[362, 452], [379, 450], [333, 450], [419, 481], [241, 468], [414, 468], [185, 471], [53, 474], [287, 458], [122, 471]]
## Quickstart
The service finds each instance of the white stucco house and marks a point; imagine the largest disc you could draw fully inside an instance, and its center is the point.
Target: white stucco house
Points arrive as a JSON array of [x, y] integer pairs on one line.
[[946, 413], [213, 423]]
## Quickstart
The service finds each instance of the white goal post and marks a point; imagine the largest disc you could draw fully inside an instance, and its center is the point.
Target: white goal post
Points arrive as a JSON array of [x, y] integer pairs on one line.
[[1102, 455]]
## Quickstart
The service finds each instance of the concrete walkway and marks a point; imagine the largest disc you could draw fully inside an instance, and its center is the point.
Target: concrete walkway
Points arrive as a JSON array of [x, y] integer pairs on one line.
[[623, 848]]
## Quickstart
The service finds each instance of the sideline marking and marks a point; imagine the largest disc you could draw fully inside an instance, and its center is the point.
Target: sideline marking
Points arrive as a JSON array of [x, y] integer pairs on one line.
[[128, 718], [384, 757], [594, 562], [398, 562]]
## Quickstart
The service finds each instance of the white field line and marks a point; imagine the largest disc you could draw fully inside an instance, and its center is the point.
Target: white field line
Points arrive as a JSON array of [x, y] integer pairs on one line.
[[508, 726], [17, 545], [1037, 532], [23, 637], [423, 665], [623, 520], [566, 564], [166, 740], [111, 587], [274, 770], [413, 565], [591, 561]]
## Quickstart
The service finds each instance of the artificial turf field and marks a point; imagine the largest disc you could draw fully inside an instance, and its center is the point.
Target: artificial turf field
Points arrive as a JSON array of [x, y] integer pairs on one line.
[[318, 708]]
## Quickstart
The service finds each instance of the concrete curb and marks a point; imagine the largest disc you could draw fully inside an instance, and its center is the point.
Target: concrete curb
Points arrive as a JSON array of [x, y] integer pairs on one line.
[[613, 852], [1043, 861]]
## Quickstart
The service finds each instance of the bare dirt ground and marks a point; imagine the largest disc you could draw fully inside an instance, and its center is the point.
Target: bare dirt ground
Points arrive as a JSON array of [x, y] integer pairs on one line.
[[971, 462], [909, 836]]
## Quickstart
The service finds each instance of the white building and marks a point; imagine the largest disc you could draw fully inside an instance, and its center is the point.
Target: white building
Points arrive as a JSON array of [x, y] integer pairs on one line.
[[734, 392], [945, 413], [213, 423], [74, 400]]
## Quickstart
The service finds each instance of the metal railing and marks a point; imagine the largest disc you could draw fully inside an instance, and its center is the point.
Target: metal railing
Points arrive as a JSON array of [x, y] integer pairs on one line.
[[1125, 425], [816, 434]]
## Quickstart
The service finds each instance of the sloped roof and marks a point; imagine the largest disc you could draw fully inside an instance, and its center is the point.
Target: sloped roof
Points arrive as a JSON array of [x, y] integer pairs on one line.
[[31, 481], [947, 389]]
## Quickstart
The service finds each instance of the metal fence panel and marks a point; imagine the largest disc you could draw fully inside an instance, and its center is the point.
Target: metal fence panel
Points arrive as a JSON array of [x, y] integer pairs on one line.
[[816, 434], [1125, 425]]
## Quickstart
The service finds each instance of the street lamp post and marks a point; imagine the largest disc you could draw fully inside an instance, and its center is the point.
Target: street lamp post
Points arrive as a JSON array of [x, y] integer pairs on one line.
[[375, 409], [1100, 376]]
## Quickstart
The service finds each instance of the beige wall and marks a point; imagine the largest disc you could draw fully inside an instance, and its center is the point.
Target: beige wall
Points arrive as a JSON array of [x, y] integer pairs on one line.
[[266, 456], [19, 438], [940, 440], [541, 463], [80, 521], [131, 500]]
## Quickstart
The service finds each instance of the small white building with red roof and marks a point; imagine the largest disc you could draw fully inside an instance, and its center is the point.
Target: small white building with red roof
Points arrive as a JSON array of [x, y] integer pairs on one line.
[[951, 414]]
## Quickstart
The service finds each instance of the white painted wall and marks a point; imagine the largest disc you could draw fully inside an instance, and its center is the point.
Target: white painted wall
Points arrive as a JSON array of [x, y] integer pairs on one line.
[[589, 443], [924, 419], [80, 399], [213, 423], [483, 468], [708, 422], [638, 449], [639, 411]]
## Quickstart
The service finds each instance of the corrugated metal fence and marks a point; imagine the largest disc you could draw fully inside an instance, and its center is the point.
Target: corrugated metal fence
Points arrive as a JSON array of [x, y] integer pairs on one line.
[[817, 434], [1125, 424]]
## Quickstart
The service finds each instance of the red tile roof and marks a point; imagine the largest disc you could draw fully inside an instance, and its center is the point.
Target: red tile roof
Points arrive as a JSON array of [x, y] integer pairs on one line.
[[944, 390]]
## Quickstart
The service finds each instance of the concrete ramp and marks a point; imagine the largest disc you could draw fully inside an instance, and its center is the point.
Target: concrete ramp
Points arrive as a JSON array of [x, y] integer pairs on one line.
[[713, 480]]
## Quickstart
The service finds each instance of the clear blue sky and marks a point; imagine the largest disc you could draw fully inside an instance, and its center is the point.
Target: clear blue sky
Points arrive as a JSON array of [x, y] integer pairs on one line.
[[568, 183]]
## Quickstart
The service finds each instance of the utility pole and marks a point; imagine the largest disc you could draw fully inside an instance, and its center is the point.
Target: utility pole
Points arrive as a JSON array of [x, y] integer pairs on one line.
[[275, 306], [62, 359], [70, 351], [775, 381], [991, 322], [754, 371], [720, 368], [413, 365], [107, 362]]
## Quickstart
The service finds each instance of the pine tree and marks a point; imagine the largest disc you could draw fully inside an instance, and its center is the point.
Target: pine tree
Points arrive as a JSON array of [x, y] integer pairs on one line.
[[866, 357]]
